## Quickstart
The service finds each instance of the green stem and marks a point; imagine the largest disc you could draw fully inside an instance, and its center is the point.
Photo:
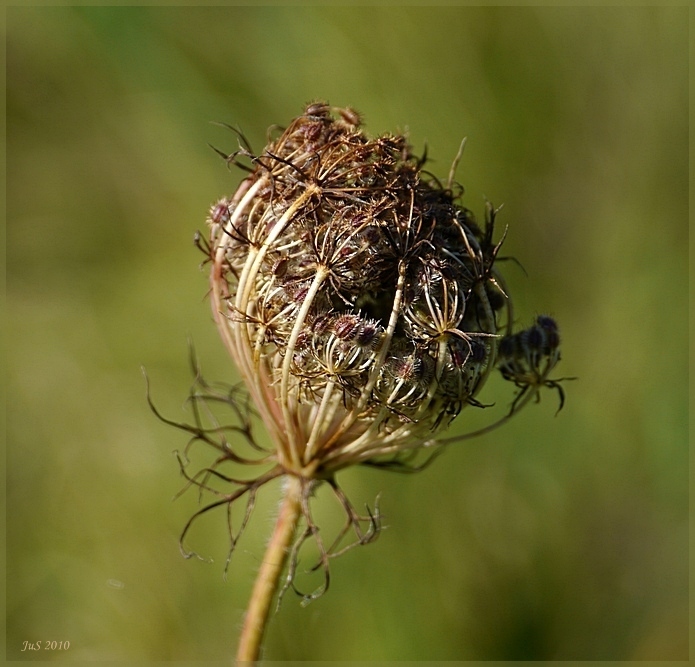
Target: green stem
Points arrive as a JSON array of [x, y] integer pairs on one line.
[[268, 577]]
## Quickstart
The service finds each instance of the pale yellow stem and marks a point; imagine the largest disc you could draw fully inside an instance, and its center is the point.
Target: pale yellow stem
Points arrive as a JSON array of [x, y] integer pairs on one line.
[[269, 574]]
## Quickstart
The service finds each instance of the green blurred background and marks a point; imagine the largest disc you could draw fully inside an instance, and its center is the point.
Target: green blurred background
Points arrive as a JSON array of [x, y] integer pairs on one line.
[[553, 538]]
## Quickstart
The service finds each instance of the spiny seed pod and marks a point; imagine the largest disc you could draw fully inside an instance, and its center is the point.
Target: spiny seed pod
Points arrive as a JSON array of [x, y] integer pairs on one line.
[[348, 226], [527, 358]]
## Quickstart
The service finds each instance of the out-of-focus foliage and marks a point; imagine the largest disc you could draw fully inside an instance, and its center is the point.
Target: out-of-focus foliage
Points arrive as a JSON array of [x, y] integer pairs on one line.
[[553, 538]]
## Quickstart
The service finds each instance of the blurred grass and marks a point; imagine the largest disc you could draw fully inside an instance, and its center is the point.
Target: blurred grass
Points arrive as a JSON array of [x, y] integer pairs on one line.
[[554, 538]]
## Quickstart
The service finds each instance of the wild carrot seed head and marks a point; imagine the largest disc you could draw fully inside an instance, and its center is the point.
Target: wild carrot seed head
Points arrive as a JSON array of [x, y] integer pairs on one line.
[[334, 225], [364, 308]]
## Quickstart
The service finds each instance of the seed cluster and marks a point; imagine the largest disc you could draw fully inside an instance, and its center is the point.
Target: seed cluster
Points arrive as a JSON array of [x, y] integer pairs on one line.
[[359, 300]]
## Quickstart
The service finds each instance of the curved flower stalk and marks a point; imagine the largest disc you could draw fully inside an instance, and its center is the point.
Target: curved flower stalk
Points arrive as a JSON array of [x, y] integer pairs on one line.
[[364, 309]]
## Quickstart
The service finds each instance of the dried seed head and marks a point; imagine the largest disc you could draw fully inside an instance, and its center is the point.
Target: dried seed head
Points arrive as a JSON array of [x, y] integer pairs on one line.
[[351, 229], [364, 308]]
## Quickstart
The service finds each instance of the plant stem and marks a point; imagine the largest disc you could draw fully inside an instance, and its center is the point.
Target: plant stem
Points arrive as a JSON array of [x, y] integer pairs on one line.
[[268, 577]]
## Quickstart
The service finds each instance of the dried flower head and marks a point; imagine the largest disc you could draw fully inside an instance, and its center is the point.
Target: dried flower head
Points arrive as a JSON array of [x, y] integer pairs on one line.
[[353, 294], [364, 308]]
